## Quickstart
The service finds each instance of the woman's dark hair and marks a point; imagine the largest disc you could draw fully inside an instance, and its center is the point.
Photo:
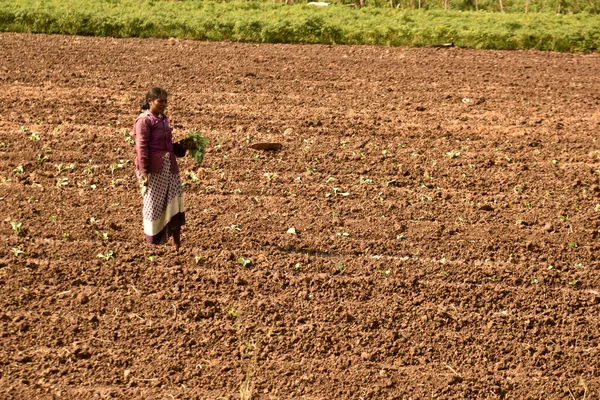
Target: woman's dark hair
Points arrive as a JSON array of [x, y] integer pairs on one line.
[[153, 94]]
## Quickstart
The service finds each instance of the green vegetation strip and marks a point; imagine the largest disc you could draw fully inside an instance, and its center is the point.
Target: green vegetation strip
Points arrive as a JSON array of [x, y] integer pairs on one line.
[[277, 23]]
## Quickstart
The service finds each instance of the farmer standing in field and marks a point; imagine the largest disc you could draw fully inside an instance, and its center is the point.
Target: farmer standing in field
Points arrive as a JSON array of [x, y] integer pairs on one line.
[[157, 170]]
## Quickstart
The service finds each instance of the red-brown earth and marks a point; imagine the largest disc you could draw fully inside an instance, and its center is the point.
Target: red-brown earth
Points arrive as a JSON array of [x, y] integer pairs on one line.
[[445, 204]]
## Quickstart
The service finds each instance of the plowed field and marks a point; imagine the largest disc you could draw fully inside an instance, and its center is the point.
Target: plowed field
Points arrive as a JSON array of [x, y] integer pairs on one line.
[[445, 204]]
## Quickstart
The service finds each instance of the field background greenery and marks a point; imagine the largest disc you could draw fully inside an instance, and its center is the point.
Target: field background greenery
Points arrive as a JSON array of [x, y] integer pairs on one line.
[[576, 28]]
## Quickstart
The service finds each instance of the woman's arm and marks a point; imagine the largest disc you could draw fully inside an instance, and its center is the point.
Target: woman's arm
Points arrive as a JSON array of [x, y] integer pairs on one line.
[[141, 132]]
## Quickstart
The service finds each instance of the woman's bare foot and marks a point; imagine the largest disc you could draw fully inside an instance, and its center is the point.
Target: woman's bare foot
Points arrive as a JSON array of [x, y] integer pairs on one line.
[[177, 239]]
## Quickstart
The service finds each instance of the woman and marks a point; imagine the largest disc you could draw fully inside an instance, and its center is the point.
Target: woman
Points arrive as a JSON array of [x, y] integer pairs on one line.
[[158, 172]]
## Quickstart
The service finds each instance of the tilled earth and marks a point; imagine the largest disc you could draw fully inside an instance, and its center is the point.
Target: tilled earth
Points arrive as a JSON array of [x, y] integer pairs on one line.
[[444, 206]]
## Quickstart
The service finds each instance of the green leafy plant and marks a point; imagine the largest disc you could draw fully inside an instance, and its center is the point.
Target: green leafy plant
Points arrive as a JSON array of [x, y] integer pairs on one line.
[[90, 169], [116, 166], [192, 175], [196, 145], [17, 227], [60, 182], [244, 262], [337, 191], [234, 228], [264, 21], [340, 267], [107, 256], [128, 137], [102, 235], [16, 252]]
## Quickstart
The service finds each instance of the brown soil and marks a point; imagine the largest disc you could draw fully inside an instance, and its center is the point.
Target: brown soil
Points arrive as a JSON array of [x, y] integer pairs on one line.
[[444, 247]]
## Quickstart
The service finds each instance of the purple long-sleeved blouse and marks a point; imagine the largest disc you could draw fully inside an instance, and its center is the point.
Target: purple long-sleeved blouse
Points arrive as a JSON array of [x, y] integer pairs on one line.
[[153, 139]]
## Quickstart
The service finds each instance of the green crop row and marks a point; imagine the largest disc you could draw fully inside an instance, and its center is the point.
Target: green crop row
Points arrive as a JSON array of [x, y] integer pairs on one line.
[[269, 22]]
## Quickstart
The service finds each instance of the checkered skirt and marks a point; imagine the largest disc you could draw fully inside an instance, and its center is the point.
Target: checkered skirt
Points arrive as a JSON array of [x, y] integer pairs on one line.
[[163, 204]]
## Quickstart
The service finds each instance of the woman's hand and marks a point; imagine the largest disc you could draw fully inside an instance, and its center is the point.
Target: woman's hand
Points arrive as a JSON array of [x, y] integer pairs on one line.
[[187, 143]]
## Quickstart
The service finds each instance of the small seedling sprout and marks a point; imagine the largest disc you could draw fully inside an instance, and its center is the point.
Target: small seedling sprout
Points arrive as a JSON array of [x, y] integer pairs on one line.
[[244, 262], [337, 191], [128, 137], [234, 228], [17, 227], [102, 235], [60, 182], [192, 176], [107, 256]]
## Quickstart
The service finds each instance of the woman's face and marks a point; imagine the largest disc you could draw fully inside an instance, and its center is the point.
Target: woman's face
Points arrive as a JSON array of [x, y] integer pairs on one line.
[[158, 106]]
